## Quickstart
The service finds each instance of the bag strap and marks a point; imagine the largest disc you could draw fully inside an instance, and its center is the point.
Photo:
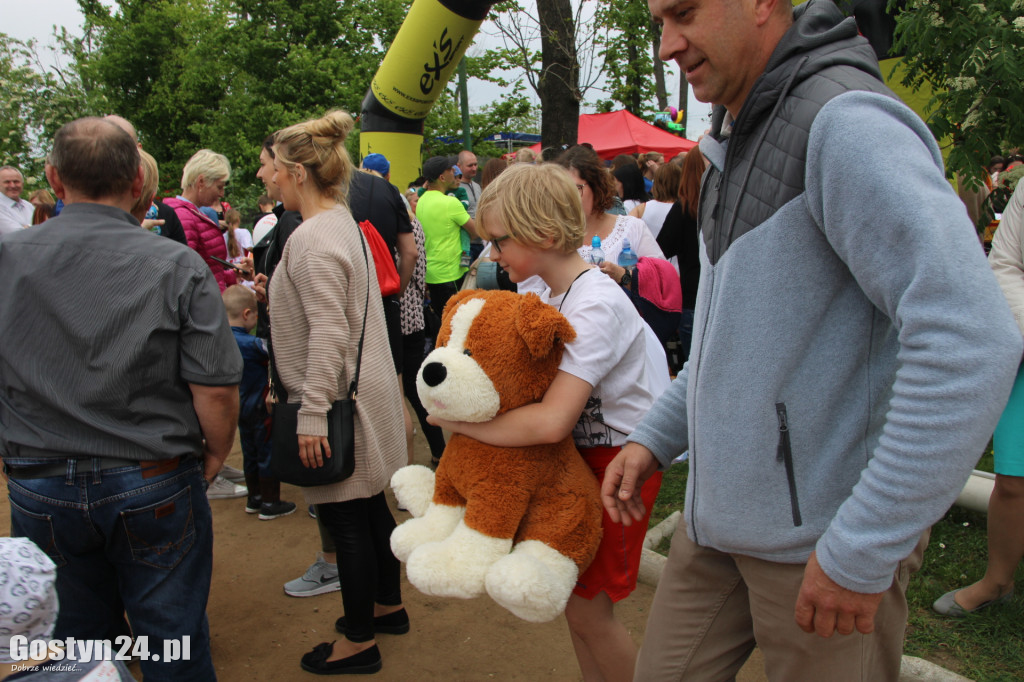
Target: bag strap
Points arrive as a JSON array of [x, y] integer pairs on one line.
[[366, 308]]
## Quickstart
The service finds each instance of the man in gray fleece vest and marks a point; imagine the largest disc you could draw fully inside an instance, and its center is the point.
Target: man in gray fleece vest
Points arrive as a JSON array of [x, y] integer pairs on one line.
[[851, 355]]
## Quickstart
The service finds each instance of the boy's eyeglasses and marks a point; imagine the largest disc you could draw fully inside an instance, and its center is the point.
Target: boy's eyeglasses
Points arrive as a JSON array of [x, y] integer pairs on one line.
[[496, 242]]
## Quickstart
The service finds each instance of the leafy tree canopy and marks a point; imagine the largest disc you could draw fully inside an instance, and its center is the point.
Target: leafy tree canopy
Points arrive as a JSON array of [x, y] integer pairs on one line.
[[972, 55]]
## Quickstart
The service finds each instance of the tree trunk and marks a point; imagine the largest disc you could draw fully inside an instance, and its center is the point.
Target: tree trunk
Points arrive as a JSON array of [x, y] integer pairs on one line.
[[560, 71], [633, 104], [659, 69]]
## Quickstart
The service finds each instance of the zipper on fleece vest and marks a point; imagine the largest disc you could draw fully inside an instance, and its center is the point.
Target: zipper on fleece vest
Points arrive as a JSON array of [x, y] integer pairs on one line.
[[785, 454]]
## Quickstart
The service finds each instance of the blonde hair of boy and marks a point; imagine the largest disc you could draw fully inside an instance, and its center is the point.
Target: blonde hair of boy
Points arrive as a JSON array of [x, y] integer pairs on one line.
[[237, 299], [207, 163], [319, 145], [150, 179], [535, 203]]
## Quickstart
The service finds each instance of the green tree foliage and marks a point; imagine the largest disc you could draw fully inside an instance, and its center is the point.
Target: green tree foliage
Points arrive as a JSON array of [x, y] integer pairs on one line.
[[35, 100], [513, 113], [631, 66], [223, 74], [972, 55]]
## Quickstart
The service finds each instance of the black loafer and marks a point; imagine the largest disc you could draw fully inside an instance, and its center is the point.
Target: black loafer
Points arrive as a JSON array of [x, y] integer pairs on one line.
[[396, 623], [364, 663]]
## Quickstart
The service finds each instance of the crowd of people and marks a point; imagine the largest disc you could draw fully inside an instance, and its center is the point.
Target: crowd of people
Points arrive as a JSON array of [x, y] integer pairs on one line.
[[828, 404]]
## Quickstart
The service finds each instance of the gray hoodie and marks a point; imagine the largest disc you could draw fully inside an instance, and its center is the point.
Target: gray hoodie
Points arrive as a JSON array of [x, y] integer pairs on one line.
[[851, 349]]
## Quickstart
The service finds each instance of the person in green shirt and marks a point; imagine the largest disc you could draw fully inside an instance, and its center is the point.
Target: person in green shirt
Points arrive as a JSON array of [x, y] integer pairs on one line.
[[444, 219]]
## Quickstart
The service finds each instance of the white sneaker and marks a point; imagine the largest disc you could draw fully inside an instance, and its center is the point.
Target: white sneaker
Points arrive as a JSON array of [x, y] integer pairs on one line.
[[232, 474], [223, 489], [320, 578]]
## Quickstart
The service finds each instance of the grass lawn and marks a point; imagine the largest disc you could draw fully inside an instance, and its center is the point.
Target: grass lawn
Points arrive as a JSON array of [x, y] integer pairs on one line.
[[984, 647]]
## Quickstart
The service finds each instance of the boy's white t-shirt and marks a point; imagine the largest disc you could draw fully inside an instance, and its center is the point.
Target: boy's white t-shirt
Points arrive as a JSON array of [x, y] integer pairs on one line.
[[612, 353]]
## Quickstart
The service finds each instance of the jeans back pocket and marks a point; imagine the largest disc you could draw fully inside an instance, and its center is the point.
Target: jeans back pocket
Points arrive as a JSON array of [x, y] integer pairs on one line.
[[160, 534]]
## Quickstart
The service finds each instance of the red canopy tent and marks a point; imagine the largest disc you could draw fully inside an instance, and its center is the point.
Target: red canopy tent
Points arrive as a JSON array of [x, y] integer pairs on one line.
[[620, 132]]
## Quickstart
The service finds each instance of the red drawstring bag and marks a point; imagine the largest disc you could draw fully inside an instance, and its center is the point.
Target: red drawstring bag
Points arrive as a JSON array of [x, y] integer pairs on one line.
[[387, 274]]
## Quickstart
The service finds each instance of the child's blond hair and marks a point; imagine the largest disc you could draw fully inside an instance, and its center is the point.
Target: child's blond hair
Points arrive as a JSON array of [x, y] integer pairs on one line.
[[535, 203], [237, 299]]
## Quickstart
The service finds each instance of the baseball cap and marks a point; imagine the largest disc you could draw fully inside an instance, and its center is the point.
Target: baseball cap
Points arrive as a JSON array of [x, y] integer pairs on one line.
[[457, 171], [377, 162], [434, 167]]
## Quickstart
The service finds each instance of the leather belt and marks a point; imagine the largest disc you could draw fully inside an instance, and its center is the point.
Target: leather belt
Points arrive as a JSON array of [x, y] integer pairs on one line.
[[85, 465]]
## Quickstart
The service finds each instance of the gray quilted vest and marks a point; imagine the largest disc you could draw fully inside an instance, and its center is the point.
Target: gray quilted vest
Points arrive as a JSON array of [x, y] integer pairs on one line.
[[762, 167]]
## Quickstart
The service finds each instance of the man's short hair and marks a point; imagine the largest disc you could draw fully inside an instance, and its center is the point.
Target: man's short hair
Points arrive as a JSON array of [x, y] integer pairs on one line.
[[12, 168], [95, 157], [237, 298], [207, 163], [265, 200]]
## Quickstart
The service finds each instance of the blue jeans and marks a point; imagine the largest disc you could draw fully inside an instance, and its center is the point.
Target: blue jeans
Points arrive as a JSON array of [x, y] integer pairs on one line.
[[124, 543], [255, 441]]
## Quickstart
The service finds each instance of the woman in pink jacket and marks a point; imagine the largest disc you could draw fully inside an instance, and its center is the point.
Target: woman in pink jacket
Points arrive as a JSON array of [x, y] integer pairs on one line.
[[202, 183]]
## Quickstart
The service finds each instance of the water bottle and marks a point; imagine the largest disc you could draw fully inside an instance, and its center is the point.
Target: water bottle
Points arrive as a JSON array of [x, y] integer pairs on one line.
[[627, 259], [596, 254]]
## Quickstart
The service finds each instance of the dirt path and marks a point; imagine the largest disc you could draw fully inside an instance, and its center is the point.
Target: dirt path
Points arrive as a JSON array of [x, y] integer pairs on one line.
[[259, 634]]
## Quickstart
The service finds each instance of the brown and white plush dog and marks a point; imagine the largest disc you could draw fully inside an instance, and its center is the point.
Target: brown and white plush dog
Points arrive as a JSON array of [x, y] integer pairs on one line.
[[520, 522]]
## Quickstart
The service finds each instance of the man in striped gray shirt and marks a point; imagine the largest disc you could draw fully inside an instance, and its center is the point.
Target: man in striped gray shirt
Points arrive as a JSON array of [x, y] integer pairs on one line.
[[118, 397]]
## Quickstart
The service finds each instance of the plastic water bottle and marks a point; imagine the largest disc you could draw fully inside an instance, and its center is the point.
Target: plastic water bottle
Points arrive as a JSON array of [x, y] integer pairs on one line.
[[627, 259], [596, 254]]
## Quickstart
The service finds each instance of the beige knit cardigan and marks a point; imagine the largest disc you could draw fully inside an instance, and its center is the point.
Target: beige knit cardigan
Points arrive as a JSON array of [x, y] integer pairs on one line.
[[317, 296]]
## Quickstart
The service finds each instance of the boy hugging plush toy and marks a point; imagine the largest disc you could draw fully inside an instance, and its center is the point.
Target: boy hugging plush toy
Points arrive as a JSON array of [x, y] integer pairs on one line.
[[521, 523]]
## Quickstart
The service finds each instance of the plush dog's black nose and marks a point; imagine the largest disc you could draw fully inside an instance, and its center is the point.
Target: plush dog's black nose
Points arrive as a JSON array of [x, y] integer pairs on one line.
[[434, 373]]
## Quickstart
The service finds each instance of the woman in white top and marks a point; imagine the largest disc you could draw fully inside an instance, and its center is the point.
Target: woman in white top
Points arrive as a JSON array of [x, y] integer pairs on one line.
[[666, 187], [1006, 505]]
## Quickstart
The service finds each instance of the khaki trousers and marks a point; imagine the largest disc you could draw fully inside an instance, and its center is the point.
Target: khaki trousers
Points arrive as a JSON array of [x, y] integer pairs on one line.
[[711, 608]]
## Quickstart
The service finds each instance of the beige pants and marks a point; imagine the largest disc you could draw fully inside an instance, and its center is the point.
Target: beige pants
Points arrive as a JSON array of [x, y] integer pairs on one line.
[[711, 608]]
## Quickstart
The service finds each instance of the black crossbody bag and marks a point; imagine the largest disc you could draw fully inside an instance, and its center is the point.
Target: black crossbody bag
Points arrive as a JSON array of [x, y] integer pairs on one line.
[[285, 462]]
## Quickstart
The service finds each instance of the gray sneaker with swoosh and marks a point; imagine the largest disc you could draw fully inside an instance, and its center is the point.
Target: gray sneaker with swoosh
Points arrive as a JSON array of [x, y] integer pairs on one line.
[[320, 578]]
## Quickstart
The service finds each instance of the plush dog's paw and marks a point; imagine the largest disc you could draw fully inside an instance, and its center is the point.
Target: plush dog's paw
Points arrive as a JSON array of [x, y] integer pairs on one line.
[[456, 567], [414, 488], [435, 525], [533, 582]]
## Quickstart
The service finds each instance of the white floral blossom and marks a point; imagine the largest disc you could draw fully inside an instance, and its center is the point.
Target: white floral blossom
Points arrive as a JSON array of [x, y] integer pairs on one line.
[[1018, 24], [1017, 6], [961, 83], [937, 21]]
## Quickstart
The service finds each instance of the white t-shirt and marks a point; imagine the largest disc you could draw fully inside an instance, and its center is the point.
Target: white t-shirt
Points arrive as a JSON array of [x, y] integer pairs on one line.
[[611, 352], [641, 241]]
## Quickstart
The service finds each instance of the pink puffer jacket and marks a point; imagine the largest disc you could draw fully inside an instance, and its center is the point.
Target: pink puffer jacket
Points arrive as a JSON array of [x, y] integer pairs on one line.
[[205, 238]]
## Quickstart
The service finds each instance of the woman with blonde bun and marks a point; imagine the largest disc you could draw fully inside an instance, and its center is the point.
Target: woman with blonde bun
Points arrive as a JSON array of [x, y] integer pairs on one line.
[[317, 300]]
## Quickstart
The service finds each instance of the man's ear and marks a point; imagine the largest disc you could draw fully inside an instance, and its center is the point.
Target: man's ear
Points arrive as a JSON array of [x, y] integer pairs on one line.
[[55, 183], [764, 9], [137, 183]]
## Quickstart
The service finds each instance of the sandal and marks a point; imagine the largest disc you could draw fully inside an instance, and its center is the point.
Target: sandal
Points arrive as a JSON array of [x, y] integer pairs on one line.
[[364, 663]]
